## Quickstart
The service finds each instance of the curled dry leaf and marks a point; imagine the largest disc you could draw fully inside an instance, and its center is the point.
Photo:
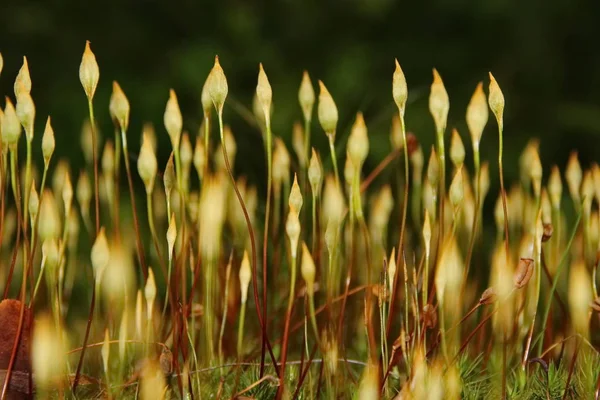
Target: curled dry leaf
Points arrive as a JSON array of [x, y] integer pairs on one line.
[[429, 316], [166, 361], [548, 231], [488, 296], [524, 272]]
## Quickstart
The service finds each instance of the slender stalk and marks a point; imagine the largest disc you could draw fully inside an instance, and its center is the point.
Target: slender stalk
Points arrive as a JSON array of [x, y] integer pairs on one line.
[[502, 190], [155, 240], [17, 198], [442, 161], [559, 269], [240, 336], [331, 136], [399, 257], [224, 319], [167, 291], [314, 224], [348, 278], [307, 122], [39, 279], [15, 347], [85, 339], [266, 238], [206, 143], [209, 277], [313, 317], [252, 244], [286, 329], [37, 217], [27, 185], [95, 160], [475, 217], [138, 240], [117, 193]]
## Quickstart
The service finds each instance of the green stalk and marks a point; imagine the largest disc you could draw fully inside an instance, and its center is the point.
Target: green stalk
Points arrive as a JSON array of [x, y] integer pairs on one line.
[[382, 322], [139, 249], [208, 310], [307, 122], [314, 224], [37, 217], [168, 288], [313, 316], [426, 279], [39, 279], [240, 335], [95, 159], [442, 162], [34, 225], [206, 143], [150, 211], [27, 188], [443, 332], [331, 136], [266, 238], [310, 380], [502, 190], [478, 210], [538, 284], [224, 319], [116, 179]]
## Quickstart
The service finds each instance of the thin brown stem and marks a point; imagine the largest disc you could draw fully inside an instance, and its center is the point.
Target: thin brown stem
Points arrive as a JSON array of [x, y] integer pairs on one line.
[[85, 339], [379, 169], [136, 225], [262, 321]]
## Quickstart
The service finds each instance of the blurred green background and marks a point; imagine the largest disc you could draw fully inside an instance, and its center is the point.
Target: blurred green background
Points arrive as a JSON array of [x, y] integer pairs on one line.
[[544, 54]]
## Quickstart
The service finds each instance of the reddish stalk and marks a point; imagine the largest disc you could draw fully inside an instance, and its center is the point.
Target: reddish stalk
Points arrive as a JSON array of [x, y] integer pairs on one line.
[[305, 372], [571, 369], [347, 287], [136, 225], [284, 348], [262, 321], [85, 339], [17, 340], [264, 270], [468, 339], [399, 256], [382, 165]]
